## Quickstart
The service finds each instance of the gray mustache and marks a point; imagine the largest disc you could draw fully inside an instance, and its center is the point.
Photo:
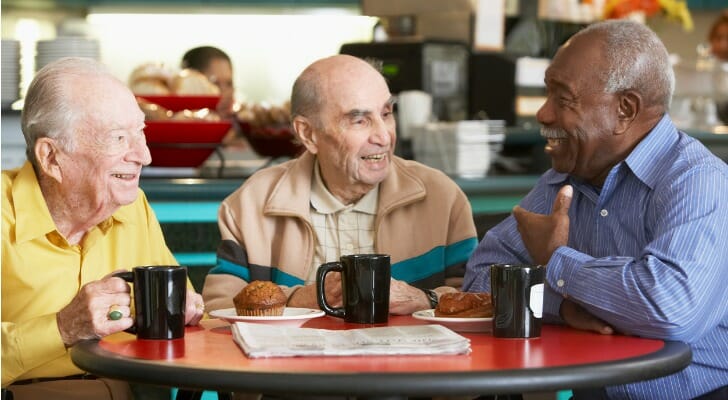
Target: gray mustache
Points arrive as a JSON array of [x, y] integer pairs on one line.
[[553, 133]]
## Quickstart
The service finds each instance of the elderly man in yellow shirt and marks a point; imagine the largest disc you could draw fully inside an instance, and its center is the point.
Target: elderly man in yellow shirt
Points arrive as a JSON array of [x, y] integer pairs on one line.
[[72, 215]]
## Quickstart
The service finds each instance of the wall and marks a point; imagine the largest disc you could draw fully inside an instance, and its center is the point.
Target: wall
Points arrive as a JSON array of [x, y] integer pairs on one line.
[[269, 46]]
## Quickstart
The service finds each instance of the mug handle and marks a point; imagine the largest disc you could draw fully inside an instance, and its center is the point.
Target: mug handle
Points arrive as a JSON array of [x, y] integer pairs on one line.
[[129, 277], [321, 292]]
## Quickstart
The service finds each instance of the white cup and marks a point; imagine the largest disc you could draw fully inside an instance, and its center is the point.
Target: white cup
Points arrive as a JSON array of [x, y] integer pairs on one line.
[[414, 109]]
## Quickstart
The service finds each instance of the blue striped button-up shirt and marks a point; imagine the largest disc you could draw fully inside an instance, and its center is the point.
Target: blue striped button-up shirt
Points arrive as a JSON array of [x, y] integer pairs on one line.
[[647, 253]]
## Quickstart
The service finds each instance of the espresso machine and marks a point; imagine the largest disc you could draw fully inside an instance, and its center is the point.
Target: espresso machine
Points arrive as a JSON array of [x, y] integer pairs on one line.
[[439, 68]]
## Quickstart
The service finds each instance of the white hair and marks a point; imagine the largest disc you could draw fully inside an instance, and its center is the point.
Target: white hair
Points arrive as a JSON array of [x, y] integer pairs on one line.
[[636, 59], [48, 110]]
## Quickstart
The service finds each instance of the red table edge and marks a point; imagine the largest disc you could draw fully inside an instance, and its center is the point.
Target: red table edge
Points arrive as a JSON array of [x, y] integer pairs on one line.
[[672, 357]]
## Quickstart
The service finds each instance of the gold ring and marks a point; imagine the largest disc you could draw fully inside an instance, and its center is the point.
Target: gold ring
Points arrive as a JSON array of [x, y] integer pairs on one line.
[[200, 307], [114, 314]]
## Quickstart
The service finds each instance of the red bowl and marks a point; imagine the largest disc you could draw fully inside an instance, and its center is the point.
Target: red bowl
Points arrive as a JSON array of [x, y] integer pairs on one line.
[[179, 103], [272, 141], [183, 143]]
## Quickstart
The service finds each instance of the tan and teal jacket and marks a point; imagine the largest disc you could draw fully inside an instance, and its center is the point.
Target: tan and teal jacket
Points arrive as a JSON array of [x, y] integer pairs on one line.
[[424, 222]]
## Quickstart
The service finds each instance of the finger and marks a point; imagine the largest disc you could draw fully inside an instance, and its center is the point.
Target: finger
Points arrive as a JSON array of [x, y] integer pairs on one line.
[[563, 200]]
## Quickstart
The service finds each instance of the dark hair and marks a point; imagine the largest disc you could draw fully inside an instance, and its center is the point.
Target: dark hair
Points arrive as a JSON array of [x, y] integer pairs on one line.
[[723, 19], [199, 57]]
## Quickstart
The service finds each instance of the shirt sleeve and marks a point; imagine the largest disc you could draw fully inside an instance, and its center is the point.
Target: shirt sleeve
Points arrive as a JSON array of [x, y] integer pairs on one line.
[[676, 288]]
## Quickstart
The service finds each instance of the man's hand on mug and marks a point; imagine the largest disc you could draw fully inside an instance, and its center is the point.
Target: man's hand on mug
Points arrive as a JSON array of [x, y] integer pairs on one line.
[[543, 234], [305, 297], [405, 299], [194, 307], [87, 315]]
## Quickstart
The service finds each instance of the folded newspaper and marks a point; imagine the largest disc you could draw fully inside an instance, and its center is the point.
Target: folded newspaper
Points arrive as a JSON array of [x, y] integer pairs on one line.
[[261, 340]]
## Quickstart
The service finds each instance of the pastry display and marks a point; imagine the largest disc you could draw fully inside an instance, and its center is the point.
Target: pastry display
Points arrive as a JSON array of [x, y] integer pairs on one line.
[[464, 305], [260, 298]]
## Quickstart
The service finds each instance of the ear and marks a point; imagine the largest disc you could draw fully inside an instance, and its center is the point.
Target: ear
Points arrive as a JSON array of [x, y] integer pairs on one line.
[[305, 132], [630, 104], [46, 156]]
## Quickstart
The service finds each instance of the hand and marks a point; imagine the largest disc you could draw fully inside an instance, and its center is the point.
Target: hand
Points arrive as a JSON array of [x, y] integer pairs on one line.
[[194, 307], [577, 317], [543, 234], [405, 299], [305, 296], [86, 316]]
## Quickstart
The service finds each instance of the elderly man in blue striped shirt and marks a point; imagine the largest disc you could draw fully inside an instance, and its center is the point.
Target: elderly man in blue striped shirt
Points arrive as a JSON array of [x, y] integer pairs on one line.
[[631, 222]]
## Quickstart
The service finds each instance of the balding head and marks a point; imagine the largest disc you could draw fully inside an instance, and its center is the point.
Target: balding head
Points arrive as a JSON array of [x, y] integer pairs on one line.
[[323, 76]]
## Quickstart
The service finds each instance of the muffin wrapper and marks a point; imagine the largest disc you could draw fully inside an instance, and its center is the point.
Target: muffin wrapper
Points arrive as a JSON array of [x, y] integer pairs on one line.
[[261, 312]]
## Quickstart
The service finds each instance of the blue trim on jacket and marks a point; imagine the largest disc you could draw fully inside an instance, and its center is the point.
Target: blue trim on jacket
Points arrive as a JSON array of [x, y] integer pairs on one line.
[[410, 270]]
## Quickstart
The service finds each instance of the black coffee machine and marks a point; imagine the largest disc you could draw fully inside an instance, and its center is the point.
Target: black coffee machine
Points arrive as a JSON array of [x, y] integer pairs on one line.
[[439, 68]]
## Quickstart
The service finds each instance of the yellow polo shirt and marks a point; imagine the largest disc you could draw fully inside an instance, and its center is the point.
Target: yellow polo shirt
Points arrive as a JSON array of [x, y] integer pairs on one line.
[[41, 272]]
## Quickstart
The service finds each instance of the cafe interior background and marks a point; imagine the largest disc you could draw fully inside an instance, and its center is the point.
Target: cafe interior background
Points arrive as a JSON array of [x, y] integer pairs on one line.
[[469, 74]]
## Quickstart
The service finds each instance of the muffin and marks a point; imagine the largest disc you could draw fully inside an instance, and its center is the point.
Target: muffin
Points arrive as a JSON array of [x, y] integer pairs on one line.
[[260, 299]]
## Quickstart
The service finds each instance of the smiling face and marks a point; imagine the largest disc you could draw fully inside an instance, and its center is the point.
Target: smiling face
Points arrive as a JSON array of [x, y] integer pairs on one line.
[[101, 171], [356, 136], [578, 118]]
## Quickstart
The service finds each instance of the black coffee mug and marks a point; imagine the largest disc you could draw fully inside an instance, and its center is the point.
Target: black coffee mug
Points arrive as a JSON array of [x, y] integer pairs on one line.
[[517, 294], [160, 293], [365, 285]]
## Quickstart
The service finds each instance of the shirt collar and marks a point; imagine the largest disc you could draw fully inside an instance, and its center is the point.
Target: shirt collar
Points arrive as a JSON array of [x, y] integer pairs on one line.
[[33, 219], [647, 159], [326, 203]]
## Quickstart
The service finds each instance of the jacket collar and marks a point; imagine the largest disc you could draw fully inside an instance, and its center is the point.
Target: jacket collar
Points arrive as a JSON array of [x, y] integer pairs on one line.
[[291, 195]]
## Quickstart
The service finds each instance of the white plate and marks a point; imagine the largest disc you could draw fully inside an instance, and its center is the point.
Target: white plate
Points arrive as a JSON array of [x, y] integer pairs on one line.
[[456, 324], [292, 316]]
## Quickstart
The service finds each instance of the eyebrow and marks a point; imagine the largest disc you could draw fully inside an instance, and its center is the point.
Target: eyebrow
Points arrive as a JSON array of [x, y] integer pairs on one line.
[[359, 113]]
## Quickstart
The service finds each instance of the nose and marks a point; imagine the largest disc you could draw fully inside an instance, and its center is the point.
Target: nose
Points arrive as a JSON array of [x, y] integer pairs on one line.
[[545, 115], [139, 151], [382, 132]]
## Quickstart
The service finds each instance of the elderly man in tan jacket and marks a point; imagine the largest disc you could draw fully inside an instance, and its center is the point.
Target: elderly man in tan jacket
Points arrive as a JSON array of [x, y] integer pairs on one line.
[[346, 194]]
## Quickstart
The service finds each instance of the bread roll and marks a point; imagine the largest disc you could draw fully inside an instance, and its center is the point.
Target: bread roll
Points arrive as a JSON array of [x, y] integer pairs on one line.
[[190, 82], [153, 112], [464, 305], [151, 78]]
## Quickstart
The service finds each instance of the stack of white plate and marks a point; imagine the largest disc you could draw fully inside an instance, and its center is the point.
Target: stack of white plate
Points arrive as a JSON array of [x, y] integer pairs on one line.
[[10, 65], [465, 148], [65, 46]]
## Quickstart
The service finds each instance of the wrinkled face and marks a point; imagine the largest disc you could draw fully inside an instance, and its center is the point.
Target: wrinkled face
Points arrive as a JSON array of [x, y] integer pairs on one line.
[[356, 139], [578, 118], [110, 147], [719, 43]]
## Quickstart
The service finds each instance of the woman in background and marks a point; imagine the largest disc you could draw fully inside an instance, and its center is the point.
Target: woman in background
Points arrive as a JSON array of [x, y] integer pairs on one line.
[[718, 37], [216, 65]]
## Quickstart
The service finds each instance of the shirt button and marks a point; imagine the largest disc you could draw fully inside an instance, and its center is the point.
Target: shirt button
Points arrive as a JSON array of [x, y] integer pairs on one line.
[[560, 283], [604, 212]]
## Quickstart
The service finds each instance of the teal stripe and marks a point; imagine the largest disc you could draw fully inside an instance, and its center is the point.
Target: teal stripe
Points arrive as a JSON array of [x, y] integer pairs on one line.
[[227, 267], [193, 259], [176, 212], [242, 272], [460, 251], [285, 279], [434, 261]]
